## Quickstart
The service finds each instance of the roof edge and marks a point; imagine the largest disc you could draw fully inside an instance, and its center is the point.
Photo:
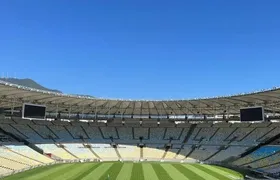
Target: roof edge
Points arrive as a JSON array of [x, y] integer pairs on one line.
[[91, 98]]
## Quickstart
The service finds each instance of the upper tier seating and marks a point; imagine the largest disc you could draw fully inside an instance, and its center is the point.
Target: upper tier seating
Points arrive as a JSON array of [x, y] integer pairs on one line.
[[182, 136], [253, 137], [44, 131], [62, 133], [156, 135], [231, 151], [173, 133], [95, 135], [203, 133], [203, 152], [125, 135], [271, 133], [109, 132], [76, 132], [141, 132], [5, 139], [219, 137], [9, 128], [239, 134], [28, 132]]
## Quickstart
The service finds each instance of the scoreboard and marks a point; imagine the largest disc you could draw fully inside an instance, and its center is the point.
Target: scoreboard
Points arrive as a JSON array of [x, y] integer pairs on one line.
[[252, 114], [33, 111]]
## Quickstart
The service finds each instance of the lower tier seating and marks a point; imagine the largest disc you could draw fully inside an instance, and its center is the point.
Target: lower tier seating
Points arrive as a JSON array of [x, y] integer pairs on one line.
[[258, 154], [129, 152], [80, 151], [105, 151], [57, 151], [153, 152]]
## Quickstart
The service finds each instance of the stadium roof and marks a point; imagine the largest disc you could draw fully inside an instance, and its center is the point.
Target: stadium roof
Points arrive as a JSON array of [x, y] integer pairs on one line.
[[12, 95]]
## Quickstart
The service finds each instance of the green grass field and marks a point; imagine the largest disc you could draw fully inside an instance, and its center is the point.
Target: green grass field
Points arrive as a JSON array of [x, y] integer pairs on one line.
[[127, 171]]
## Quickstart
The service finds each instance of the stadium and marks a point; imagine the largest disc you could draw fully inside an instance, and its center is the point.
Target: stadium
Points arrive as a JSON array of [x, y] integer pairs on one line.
[[139, 90], [50, 135]]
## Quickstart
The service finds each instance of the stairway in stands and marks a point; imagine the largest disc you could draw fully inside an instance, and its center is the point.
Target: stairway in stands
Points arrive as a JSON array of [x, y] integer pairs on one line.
[[59, 145], [141, 152], [193, 126], [91, 150], [115, 148], [166, 149]]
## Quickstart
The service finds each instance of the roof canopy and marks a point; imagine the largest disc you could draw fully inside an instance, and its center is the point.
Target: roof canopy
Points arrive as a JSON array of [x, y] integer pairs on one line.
[[12, 95]]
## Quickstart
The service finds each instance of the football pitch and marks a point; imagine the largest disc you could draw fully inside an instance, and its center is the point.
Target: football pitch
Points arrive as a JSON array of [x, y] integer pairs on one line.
[[127, 171]]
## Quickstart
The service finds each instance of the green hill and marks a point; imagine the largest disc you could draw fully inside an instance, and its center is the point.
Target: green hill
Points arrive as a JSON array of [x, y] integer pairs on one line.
[[28, 83]]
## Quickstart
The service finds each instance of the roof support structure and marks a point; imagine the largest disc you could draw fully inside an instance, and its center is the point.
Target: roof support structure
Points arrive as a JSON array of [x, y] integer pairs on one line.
[[13, 96]]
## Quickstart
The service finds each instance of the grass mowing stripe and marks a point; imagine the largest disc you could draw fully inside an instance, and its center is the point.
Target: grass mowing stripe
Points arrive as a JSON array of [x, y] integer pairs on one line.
[[215, 174], [160, 172], [61, 171], [173, 172], [200, 173], [77, 172], [222, 172], [149, 172], [125, 172], [72, 172], [30, 172], [48, 172], [230, 171], [113, 171], [137, 172], [98, 172], [88, 171], [188, 173]]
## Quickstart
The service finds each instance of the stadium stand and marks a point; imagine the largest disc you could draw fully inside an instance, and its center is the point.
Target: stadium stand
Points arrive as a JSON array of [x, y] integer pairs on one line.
[[269, 160], [258, 154], [125, 134], [203, 152], [105, 151], [25, 144], [56, 149], [71, 142], [153, 152], [171, 153], [30, 153], [129, 152], [80, 151], [228, 152]]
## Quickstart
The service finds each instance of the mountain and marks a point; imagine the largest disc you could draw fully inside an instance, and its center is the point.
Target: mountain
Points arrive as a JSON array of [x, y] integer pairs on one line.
[[28, 83]]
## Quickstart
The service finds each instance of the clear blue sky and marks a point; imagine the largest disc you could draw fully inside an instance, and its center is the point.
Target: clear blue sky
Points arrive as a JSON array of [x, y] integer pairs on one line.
[[143, 49]]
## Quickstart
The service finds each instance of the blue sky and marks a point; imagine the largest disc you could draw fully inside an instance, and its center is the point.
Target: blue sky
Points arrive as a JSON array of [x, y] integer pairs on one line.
[[143, 49]]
